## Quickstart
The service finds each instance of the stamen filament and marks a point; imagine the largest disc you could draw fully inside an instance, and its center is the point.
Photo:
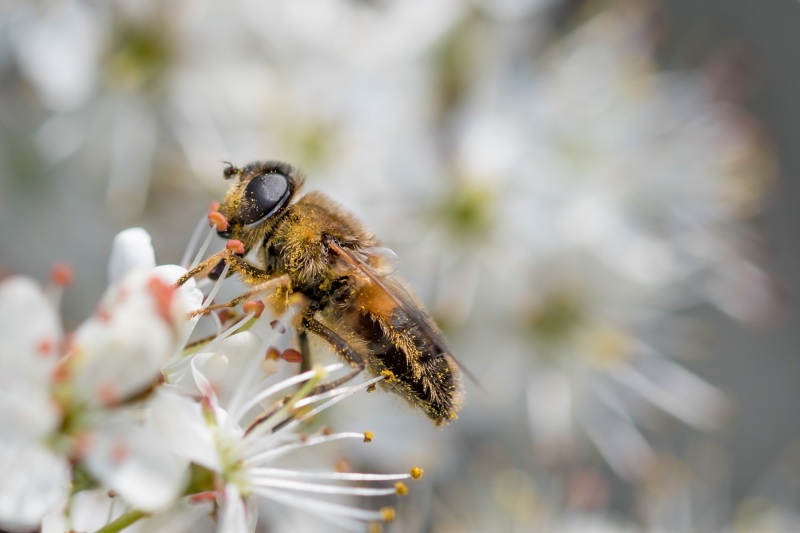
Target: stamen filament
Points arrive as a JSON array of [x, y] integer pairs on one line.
[[335, 392], [269, 455], [257, 428], [193, 240], [320, 507], [284, 384], [217, 322], [339, 476], [322, 489], [201, 252], [217, 286], [343, 393], [250, 374], [214, 290], [227, 333]]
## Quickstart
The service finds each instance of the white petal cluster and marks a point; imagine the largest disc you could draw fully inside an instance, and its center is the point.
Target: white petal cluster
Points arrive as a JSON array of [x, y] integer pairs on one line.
[[60, 396], [121, 405]]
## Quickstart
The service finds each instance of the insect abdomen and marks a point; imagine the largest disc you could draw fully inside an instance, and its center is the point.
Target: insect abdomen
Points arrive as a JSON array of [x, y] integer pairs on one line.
[[416, 369]]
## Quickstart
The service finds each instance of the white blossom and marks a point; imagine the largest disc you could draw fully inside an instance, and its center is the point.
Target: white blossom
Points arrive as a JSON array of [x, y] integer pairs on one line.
[[113, 356], [110, 407]]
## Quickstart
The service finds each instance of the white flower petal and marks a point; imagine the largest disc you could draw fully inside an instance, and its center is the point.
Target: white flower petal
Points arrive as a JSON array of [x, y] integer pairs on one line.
[[236, 516], [136, 463], [120, 358], [131, 250], [121, 349], [212, 365], [181, 424], [190, 295], [185, 516], [27, 413], [33, 481], [30, 332], [230, 371], [245, 353], [88, 510]]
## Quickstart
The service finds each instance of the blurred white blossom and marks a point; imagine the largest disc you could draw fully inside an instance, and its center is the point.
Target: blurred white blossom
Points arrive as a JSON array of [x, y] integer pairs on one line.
[[581, 203], [74, 387]]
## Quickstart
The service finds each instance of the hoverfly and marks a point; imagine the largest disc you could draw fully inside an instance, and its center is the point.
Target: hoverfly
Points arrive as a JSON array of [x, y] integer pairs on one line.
[[367, 316]]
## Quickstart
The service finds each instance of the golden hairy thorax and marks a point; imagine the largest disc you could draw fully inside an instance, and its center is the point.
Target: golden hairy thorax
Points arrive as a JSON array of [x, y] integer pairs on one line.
[[298, 239]]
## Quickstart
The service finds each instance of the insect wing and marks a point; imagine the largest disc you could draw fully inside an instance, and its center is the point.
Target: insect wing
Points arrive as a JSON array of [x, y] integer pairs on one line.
[[403, 299], [397, 293], [383, 261]]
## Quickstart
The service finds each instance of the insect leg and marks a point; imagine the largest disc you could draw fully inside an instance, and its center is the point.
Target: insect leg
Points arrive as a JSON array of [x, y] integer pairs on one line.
[[305, 350], [271, 284], [251, 274], [341, 347], [205, 265]]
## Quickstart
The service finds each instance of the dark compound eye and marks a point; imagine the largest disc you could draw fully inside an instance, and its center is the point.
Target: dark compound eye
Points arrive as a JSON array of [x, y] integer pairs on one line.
[[263, 195]]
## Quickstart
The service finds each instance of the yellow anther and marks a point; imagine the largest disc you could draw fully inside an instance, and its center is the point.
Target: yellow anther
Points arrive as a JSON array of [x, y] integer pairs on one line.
[[388, 514]]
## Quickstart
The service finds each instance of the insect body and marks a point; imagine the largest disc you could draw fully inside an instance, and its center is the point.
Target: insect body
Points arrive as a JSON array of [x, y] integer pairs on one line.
[[367, 316]]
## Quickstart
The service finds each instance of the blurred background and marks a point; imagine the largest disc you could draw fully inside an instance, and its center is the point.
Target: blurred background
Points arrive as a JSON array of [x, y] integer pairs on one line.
[[595, 200]]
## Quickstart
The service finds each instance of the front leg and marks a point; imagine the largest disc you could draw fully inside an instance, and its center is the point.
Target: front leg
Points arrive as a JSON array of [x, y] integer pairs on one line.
[[269, 285], [250, 274], [259, 279]]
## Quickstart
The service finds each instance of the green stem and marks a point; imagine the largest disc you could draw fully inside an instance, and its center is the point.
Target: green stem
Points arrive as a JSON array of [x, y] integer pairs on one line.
[[122, 522]]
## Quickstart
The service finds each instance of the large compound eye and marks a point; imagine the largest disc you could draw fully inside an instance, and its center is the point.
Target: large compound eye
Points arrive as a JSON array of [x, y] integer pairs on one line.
[[263, 195]]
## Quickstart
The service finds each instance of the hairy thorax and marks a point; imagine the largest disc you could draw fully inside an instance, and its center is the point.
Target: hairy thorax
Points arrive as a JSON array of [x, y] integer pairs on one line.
[[299, 240]]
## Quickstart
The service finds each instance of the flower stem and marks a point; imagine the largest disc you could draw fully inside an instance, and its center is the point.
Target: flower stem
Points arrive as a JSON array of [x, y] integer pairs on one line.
[[122, 522]]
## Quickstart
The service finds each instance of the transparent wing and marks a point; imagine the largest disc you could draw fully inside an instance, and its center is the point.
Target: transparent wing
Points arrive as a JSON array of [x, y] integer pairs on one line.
[[399, 294]]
